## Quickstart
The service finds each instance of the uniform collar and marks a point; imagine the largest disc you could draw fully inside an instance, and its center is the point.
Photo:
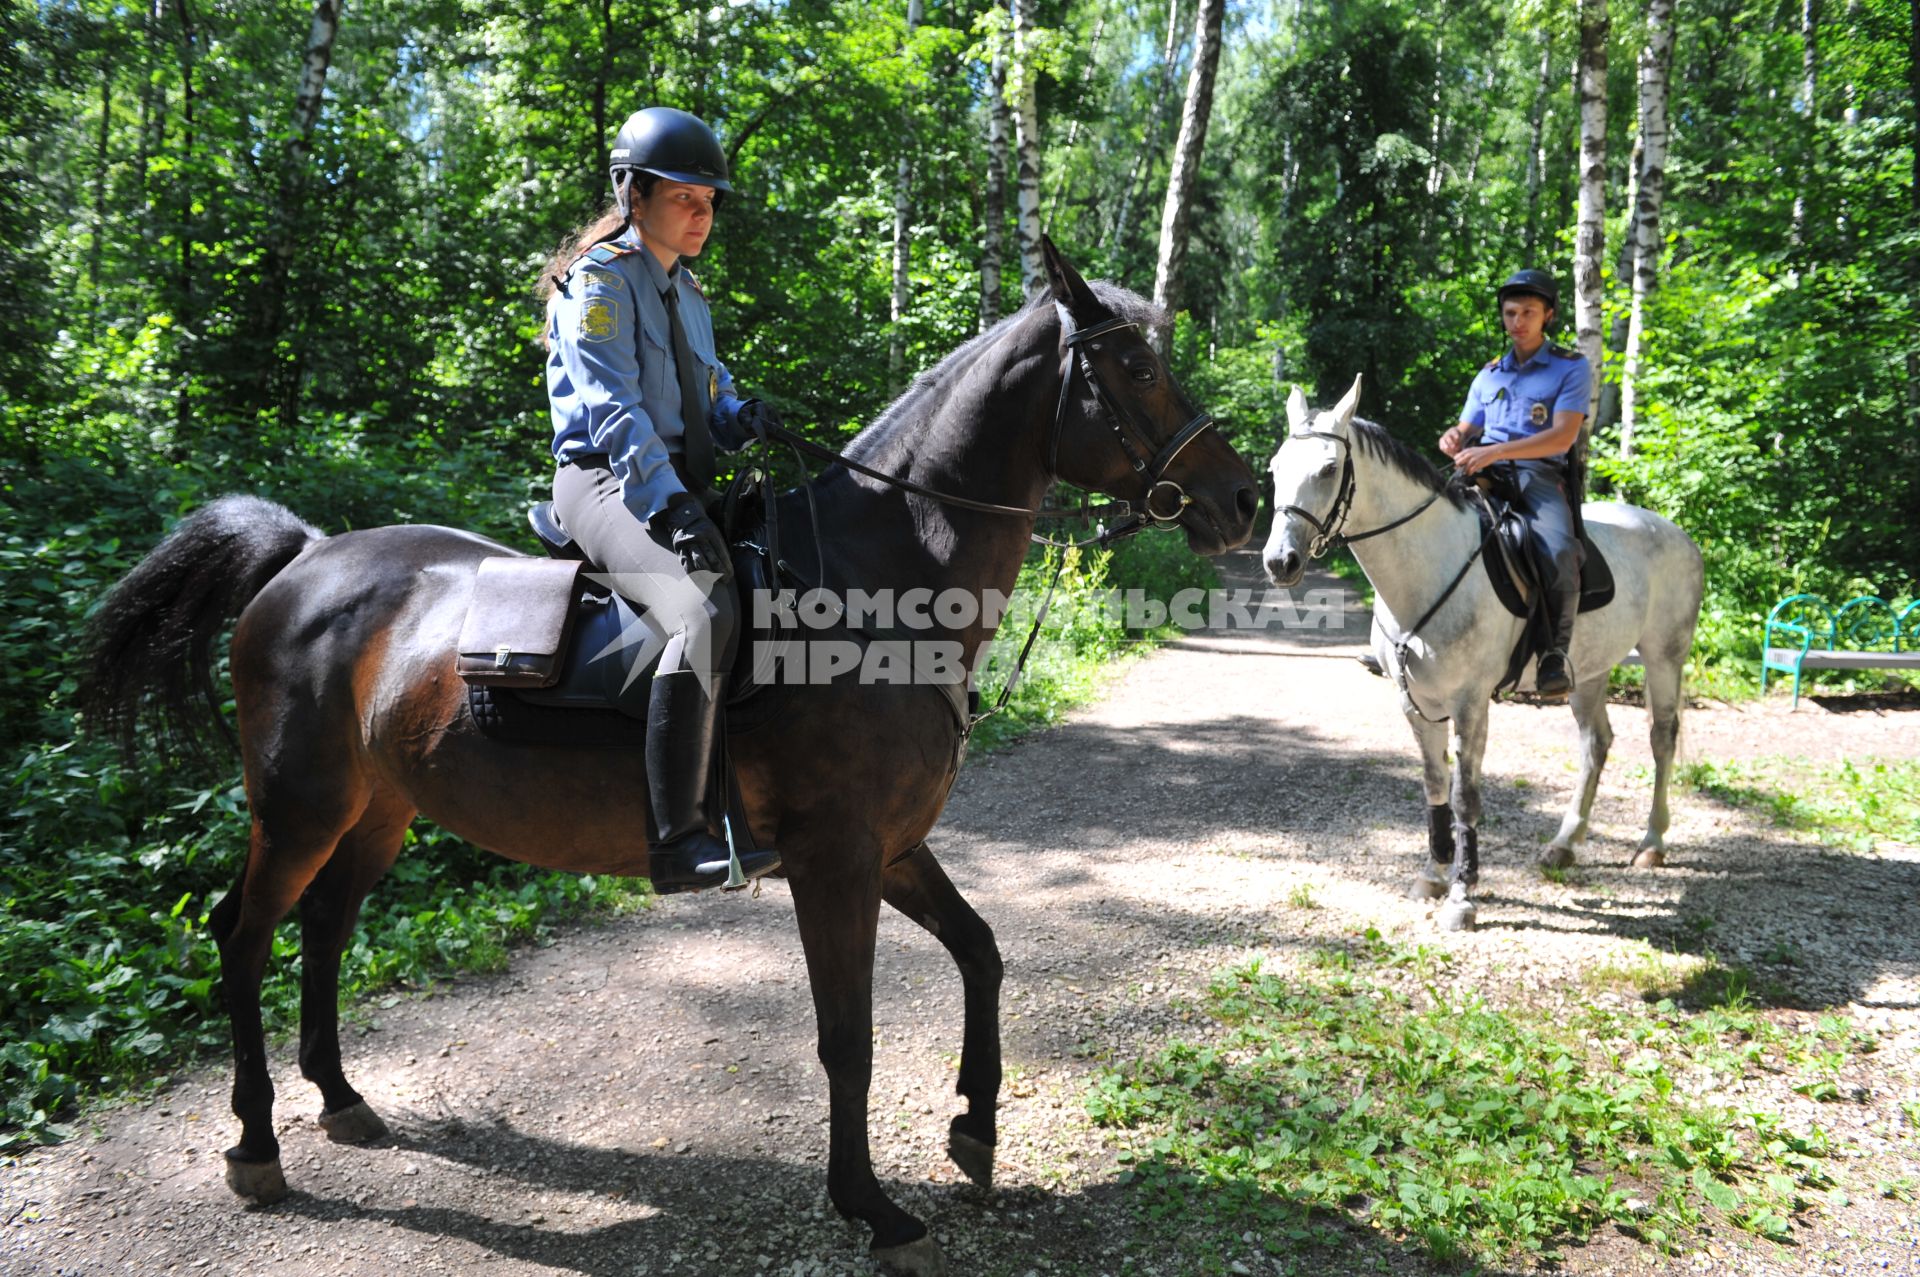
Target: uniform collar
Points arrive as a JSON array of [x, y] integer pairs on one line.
[[1510, 364], [660, 276]]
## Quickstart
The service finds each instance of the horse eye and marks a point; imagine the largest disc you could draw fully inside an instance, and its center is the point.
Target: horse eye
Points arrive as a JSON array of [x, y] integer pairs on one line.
[[1144, 374], [1325, 470]]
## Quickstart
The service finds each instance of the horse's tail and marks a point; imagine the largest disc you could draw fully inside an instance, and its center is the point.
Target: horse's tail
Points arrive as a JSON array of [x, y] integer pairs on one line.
[[149, 647]]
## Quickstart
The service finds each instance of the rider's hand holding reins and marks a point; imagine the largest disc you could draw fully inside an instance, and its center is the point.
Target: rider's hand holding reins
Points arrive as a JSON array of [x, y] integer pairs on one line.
[[693, 536]]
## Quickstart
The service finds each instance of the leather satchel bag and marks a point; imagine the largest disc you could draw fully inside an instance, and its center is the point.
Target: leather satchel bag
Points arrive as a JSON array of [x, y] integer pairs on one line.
[[519, 621]]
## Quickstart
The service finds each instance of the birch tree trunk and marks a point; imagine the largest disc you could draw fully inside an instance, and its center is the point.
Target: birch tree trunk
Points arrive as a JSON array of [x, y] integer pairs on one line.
[[1187, 153], [902, 226], [1655, 60], [995, 212], [94, 250], [1026, 121], [1590, 243], [1809, 98]]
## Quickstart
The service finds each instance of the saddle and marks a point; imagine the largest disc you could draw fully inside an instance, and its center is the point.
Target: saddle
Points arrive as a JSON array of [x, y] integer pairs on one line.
[[1516, 573], [553, 656]]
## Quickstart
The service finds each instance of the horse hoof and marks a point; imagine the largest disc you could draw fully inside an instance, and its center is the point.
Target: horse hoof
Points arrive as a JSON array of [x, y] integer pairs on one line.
[[1650, 858], [1455, 916], [922, 1258], [1555, 857], [972, 1156], [262, 1182], [354, 1124], [1425, 888]]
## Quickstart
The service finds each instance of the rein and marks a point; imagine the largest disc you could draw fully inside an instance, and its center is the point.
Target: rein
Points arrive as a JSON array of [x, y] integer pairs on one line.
[[1153, 470]]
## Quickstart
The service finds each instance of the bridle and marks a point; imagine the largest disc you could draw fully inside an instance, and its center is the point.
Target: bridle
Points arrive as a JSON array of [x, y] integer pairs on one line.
[[1330, 532], [1152, 469]]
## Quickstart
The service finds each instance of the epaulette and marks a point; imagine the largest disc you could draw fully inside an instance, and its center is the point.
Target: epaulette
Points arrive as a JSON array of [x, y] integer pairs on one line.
[[1492, 364], [606, 251], [1563, 352], [693, 279]]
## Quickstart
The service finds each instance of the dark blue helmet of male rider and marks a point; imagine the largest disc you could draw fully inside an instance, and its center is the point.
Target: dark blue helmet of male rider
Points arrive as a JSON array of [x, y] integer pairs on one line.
[[1531, 283], [670, 144]]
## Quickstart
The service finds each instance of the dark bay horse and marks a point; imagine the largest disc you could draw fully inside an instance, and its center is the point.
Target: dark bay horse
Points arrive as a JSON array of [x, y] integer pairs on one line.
[[352, 720]]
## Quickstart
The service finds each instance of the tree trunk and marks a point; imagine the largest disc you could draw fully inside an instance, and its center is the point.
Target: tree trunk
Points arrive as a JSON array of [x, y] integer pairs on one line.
[[902, 227], [1913, 267], [1026, 131], [1590, 243], [1186, 155], [293, 184], [99, 191], [185, 316], [1150, 140], [995, 212], [1536, 154], [1655, 60], [1809, 86]]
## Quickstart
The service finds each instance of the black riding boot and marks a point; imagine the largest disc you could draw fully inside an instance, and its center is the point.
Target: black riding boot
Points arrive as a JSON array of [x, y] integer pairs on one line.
[[1552, 680], [685, 854]]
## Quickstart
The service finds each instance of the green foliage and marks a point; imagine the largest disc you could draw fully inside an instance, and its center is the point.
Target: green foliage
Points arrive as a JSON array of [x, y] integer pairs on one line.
[[1845, 804], [1474, 1134]]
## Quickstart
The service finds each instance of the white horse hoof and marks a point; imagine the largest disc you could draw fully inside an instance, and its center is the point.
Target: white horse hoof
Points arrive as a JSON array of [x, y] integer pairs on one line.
[[1650, 858], [1426, 887], [922, 1258], [355, 1124], [1455, 915], [262, 1182], [1555, 857]]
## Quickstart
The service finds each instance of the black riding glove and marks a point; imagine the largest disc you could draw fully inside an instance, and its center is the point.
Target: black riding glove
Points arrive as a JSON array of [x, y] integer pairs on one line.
[[693, 536], [756, 417]]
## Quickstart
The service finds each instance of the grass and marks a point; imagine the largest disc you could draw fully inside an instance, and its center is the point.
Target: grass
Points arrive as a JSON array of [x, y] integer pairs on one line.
[[1359, 1093], [1846, 805]]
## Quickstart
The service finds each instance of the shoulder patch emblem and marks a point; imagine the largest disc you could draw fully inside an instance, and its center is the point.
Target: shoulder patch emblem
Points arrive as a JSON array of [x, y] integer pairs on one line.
[[599, 318], [1539, 414]]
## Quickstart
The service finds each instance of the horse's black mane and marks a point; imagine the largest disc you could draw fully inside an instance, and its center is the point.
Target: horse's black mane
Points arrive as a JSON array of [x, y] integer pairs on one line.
[[939, 379], [1382, 446]]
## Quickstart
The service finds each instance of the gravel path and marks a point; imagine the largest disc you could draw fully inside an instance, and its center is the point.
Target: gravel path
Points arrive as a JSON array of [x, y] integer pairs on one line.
[[642, 1097]]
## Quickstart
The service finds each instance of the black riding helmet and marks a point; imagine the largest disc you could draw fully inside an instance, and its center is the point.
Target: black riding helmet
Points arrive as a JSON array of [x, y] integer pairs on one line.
[[670, 144], [1532, 283]]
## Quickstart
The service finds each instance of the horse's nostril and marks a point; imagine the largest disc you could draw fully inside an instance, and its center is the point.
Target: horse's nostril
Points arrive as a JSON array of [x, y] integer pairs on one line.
[[1247, 502]]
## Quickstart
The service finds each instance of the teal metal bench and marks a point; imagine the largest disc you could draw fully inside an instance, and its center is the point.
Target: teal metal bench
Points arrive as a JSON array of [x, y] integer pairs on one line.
[[1803, 633]]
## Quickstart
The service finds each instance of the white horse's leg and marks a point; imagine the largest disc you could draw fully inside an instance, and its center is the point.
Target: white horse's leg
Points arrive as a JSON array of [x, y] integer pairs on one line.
[[1596, 738], [1663, 729], [1431, 882], [1469, 744]]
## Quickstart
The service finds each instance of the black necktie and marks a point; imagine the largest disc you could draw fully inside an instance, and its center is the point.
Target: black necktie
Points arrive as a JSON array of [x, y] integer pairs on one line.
[[698, 437]]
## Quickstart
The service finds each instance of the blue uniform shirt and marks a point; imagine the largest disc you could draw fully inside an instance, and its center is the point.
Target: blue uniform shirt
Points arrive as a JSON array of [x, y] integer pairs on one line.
[[1511, 401], [610, 371]]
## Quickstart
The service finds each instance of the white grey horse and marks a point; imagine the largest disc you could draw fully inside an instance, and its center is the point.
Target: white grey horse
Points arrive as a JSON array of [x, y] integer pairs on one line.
[[1444, 637]]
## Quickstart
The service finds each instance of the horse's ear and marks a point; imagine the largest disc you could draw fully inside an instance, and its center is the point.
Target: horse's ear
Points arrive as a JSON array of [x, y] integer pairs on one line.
[[1068, 288], [1296, 410], [1344, 410]]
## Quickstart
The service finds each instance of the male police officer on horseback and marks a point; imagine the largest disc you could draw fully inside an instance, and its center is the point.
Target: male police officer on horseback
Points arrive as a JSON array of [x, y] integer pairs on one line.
[[1525, 409]]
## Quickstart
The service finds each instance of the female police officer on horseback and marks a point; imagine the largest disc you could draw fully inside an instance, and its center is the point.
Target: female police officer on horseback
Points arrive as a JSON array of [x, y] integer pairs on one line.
[[639, 399], [1526, 407]]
